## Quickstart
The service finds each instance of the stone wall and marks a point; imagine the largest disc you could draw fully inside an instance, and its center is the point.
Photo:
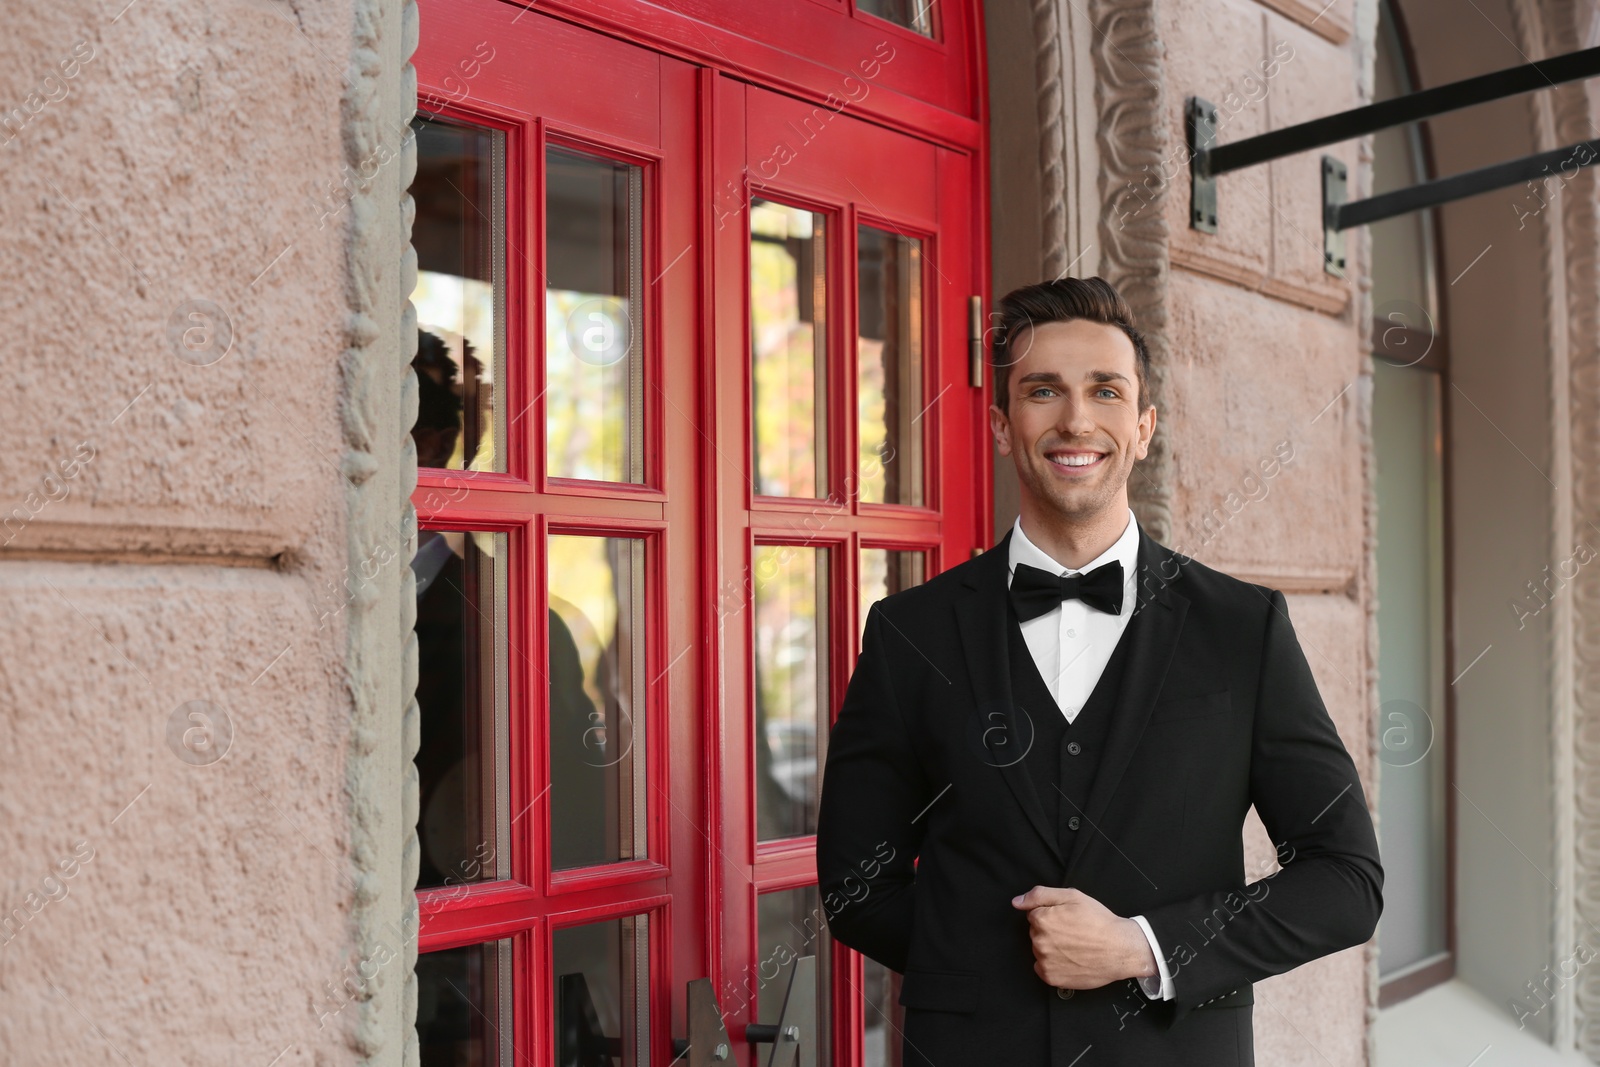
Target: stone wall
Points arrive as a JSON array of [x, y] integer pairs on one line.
[[189, 308]]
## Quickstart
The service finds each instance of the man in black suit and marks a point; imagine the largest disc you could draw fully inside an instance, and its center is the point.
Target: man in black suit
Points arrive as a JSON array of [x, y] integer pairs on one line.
[[1036, 786]]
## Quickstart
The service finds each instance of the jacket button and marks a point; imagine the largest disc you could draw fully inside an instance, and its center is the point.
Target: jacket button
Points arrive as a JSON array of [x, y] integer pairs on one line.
[[1072, 823], [1074, 748], [1064, 994]]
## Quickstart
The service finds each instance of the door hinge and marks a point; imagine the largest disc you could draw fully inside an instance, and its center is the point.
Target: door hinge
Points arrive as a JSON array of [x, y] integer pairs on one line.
[[975, 341]]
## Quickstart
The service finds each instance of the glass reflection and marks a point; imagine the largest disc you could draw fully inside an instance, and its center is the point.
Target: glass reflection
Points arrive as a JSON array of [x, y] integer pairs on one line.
[[883, 1018], [884, 571], [788, 349], [461, 693], [790, 924], [596, 672], [889, 403], [464, 1006], [593, 328], [791, 709], [601, 991], [459, 237], [912, 14]]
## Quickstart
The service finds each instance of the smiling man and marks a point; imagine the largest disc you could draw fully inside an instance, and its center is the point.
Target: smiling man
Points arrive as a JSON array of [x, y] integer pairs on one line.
[[1056, 745]]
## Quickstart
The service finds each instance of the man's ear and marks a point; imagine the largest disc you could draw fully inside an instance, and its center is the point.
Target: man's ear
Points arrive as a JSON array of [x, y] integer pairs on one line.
[[1147, 430], [1000, 427]]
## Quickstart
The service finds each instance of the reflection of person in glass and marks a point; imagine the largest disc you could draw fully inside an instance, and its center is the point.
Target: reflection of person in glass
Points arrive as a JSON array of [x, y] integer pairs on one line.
[[441, 677]]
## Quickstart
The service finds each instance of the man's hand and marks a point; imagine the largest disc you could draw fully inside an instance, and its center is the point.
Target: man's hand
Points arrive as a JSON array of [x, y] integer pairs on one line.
[[1078, 943]]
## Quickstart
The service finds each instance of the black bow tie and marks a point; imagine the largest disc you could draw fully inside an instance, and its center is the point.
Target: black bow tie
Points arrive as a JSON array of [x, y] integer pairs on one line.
[[1035, 591]]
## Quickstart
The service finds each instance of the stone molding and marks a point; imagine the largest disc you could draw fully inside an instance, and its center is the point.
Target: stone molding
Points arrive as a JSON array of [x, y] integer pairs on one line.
[[1131, 140], [1326, 19], [378, 406], [1573, 300]]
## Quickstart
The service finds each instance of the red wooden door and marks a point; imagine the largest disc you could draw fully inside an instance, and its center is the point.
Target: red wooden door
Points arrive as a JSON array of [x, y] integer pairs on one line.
[[843, 255], [693, 391]]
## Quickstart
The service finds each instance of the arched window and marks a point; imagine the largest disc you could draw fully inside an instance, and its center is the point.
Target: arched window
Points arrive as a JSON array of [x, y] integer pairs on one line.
[[1410, 371]]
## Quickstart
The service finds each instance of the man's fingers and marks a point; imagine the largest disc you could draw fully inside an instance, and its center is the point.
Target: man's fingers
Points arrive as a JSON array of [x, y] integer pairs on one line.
[[1041, 896]]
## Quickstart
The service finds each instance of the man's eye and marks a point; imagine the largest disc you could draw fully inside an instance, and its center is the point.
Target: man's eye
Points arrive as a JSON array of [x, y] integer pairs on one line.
[[1043, 390], [1108, 391]]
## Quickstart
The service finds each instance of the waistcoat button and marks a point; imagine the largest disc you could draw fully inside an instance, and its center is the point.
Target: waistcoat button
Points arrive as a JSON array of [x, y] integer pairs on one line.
[[1074, 748], [1072, 823], [1065, 994]]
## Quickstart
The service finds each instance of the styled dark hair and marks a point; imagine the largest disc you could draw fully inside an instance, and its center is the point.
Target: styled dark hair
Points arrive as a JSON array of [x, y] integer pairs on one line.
[[1062, 300]]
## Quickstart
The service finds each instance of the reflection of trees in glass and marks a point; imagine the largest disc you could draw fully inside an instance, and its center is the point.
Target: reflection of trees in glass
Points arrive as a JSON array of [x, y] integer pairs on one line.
[[787, 314], [586, 403], [592, 691], [788, 668], [889, 366]]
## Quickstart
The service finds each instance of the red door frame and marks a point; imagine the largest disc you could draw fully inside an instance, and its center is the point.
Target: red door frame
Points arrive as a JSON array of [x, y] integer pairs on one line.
[[685, 121]]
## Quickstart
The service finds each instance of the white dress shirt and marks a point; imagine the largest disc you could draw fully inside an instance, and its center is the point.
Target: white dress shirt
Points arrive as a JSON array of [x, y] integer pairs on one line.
[[1071, 645]]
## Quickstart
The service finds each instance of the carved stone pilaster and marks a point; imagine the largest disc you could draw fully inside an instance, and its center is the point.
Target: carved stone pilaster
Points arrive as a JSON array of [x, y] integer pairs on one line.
[[1575, 661], [378, 406], [1133, 145]]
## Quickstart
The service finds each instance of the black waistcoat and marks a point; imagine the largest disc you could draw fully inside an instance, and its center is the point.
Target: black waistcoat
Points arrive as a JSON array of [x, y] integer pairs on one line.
[[1063, 758]]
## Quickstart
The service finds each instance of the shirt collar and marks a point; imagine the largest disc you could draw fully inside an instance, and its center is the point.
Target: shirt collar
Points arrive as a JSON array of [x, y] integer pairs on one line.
[[1124, 550]]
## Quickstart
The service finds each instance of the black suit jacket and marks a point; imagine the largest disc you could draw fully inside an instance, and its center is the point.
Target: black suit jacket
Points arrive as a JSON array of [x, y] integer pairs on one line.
[[929, 823]]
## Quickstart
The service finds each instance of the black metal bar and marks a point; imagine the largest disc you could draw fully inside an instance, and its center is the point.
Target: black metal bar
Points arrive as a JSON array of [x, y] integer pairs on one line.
[[1397, 112], [1461, 186]]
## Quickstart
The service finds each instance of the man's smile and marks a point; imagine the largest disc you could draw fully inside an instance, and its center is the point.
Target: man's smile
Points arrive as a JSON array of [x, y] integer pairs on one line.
[[1075, 460]]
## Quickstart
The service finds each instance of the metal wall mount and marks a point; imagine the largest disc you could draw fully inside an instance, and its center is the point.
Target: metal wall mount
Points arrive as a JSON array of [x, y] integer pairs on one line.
[[1335, 187], [1200, 122]]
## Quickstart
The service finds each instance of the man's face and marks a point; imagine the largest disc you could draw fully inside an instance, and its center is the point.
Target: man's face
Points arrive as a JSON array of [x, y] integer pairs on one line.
[[1074, 428]]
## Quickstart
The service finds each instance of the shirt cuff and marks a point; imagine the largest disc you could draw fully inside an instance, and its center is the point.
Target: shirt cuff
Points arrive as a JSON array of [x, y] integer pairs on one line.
[[1157, 986]]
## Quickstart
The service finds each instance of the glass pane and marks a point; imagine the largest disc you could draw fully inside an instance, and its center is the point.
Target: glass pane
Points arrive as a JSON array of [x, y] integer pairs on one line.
[[594, 366], [912, 14], [459, 236], [1411, 679], [461, 691], [464, 1006], [883, 1019], [885, 571], [791, 672], [788, 349], [889, 401], [790, 924], [597, 642], [601, 992]]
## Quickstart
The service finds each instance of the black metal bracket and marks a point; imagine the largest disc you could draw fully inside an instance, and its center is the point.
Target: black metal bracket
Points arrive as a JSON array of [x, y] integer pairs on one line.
[[1200, 122], [1568, 161], [1335, 183], [1208, 160]]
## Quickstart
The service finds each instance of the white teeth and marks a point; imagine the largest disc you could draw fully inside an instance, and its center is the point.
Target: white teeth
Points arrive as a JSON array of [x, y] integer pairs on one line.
[[1074, 461]]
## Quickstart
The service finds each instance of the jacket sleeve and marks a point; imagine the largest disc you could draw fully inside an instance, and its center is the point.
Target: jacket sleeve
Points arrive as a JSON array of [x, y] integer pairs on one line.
[[873, 794], [1328, 893]]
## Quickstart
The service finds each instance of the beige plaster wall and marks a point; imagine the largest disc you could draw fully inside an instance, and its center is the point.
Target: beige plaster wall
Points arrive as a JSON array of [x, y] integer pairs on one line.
[[175, 531]]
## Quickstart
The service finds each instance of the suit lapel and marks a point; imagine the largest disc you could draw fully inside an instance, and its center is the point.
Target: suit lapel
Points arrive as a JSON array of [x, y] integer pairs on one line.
[[1154, 635], [1005, 730]]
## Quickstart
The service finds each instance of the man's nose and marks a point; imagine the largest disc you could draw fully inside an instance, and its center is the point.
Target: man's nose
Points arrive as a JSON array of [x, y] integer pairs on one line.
[[1074, 417]]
